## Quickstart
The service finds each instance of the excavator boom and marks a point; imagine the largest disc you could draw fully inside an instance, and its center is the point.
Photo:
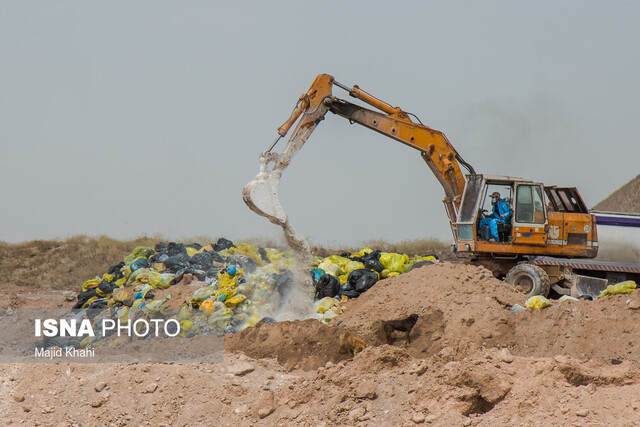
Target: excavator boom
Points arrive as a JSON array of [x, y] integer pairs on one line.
[[261, 194]]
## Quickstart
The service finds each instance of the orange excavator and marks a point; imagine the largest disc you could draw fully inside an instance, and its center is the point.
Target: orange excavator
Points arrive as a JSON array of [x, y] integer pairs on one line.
[[549, 227]]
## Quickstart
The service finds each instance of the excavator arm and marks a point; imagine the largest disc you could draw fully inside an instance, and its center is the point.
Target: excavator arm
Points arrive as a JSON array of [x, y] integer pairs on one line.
[[261, 195]]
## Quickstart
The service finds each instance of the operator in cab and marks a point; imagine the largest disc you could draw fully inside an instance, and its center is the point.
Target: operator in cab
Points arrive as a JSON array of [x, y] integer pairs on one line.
[[501, 213]]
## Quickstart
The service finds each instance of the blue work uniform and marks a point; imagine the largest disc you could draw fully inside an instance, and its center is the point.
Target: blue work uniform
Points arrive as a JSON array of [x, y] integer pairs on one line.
[[501, 213]]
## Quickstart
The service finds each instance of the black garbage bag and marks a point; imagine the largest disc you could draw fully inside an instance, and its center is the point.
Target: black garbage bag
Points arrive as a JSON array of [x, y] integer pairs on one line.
[[176, 248], [213, 272], [420, 264], [222, 244], [201, 275], [177, 262], [196, 246], [372, 261], [348, 293], [244, 261], [267, 319], [85, 296], [362, 279], [106, 287], [263, 255], [158, 257], [99, 304], [202, 260], [139, 263], [216, 257], [115, 270], [327, 286], [348, 290], [373, 264], [161, 247], [284, 281]]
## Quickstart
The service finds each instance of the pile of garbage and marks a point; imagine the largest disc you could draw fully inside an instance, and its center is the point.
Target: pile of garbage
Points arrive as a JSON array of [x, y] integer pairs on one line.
[[236, 285], [539, 302]]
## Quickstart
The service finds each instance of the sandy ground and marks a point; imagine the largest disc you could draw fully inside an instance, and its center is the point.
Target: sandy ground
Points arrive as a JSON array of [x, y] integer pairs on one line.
[[470, 362]]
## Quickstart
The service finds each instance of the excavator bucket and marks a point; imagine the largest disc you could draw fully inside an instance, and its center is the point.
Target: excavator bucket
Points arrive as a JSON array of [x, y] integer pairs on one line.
[[261, 195], [588, 286]]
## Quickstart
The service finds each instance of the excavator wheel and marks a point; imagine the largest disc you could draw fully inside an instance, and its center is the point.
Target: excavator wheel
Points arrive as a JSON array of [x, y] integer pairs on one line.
[[532, 279]]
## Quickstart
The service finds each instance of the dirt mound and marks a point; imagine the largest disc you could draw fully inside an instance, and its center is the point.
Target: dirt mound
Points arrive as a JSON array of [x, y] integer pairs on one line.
[[462, 310], [460, 307], [625, 199], [304, 344]]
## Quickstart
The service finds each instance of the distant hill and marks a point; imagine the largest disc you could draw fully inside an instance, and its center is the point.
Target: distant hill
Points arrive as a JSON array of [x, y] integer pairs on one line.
[[625, 199]]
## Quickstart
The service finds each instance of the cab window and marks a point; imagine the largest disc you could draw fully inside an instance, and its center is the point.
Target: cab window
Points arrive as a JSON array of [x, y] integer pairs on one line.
[[529, 205]]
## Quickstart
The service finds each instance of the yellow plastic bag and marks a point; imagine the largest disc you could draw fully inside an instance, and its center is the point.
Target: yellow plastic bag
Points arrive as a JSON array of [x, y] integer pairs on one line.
[[333, 269], [207, 248], [226, 293], [619, 288], [362, 252], [220, 319], [225, 280], [253, 320], [90, 284], [184, 313], [207, 307], [393, 262], [108, 277], [120, 294], [353, 265], [274, 255], [537, 302], [139, 252], [89, 301], [159, 280], [324, 304], [203, 293], [186, 325], [268, 269], [237, 299], [341, 261], [248, 250], [191, 251], [122, 314]]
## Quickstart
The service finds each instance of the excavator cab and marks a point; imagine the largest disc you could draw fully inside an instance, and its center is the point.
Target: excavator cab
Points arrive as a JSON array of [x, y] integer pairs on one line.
[[526, 223]]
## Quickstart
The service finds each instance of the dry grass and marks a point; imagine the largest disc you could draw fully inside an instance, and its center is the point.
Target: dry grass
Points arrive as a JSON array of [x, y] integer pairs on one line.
[[63, 264], [411, 247], [421, 247]]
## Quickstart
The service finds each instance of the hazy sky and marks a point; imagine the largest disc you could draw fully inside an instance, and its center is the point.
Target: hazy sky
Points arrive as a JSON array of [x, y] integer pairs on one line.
[[127, 118]]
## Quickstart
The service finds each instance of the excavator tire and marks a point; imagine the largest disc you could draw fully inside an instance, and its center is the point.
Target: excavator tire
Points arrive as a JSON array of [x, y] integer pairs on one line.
[[532, 279]]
